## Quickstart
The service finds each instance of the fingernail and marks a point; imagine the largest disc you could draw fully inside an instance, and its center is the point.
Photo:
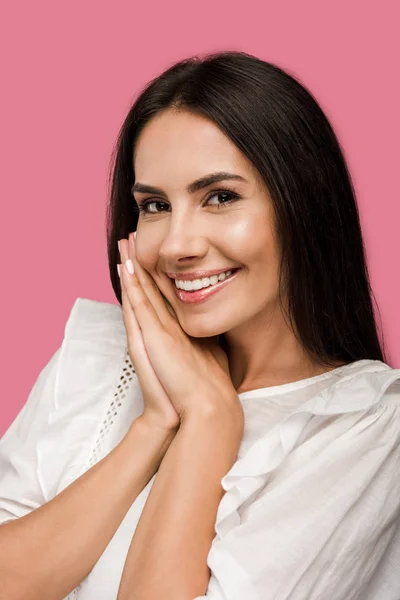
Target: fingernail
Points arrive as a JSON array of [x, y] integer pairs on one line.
[[119, 247], [119, 270], [134, 235], [129, 266]]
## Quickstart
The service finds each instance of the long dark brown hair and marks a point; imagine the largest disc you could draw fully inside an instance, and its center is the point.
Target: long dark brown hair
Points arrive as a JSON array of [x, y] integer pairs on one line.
[[278, 125]]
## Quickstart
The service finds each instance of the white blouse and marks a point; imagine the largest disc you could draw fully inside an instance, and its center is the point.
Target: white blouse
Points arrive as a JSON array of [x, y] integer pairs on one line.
[[312, 503]]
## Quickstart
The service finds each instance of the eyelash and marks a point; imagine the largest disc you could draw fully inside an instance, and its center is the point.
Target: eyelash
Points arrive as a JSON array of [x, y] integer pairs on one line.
[[142, 206]]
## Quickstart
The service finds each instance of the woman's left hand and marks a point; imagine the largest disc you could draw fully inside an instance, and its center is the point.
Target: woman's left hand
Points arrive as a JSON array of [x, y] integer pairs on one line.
[[193, 371]]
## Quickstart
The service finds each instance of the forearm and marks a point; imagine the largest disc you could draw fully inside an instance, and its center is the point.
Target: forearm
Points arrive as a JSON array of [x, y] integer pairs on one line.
[[168, 553], [48, 552]]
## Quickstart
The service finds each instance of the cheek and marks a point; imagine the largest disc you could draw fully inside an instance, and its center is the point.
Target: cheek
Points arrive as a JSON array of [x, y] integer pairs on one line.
[[252, 245], [251, 234], [146, 257], [240, 235]]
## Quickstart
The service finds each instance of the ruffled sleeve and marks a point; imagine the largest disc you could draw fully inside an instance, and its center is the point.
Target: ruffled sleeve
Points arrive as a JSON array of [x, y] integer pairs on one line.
[[317, 512], [20, 486], [47, 445]]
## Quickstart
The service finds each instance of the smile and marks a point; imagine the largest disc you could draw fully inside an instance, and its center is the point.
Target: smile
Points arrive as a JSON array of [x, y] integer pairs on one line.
[[197, 296]]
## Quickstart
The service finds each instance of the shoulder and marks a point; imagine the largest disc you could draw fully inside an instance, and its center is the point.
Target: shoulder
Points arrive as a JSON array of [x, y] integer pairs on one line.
[[361, 386], [327, 468], [362, 401], [92, 351], [391, 394], [91, 358], [92, 320], [48, 444]]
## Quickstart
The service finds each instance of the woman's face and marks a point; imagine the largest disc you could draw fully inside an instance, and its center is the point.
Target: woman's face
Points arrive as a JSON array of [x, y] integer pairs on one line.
[[185, 232]]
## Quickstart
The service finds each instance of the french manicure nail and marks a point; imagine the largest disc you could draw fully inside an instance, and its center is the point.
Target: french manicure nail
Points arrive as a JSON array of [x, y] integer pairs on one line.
[[129, 266], [119, 270]]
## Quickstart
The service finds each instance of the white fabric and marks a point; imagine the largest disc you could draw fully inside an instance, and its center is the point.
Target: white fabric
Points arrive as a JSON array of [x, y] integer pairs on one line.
[[312, 504]]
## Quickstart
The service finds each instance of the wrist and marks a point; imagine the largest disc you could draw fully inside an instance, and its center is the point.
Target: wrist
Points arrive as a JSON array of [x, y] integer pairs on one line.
[[152, 432], [215, 417], [156, 424]]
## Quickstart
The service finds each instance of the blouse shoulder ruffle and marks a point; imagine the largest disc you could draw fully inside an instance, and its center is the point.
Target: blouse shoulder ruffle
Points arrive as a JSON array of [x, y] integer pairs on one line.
[[46, 445], [358, 391], [91, 357], [261, 491]]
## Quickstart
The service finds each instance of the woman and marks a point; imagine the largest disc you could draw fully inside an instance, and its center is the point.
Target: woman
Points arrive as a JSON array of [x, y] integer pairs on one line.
[[257, 399]]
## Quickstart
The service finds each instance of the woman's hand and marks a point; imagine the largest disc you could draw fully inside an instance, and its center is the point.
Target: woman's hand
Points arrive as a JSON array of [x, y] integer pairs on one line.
[[194, 372], [158, 409]]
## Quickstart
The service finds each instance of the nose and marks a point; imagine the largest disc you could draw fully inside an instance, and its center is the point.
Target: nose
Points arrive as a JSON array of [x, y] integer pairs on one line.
[[183, 243]]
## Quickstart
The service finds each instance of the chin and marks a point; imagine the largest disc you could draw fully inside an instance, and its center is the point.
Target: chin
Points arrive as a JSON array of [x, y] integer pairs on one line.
[[200, 331]]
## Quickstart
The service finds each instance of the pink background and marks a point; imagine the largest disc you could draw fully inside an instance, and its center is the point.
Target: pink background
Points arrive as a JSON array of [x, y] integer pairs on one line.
[[70, 71]]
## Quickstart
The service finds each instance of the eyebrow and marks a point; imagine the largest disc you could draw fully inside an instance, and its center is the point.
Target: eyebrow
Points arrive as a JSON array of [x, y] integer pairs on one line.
[[193, 187]]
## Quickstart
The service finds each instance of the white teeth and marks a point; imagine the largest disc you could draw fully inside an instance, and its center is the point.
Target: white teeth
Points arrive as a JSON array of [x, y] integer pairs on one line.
[[198, 284]]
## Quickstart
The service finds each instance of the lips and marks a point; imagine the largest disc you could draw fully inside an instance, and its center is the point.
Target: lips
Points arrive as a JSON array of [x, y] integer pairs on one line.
[[200, 274], [197, 296], [208, 277]]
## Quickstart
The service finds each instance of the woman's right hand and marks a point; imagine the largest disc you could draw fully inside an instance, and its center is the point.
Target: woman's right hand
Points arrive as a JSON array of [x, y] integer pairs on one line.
[[158, 409]]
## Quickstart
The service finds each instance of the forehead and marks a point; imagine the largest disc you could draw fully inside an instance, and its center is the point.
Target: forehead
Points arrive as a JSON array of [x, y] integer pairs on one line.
[[180, 142]]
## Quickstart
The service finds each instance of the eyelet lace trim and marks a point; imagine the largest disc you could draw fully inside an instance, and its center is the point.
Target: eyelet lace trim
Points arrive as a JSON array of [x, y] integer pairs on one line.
[[125, 379], [97, 453]]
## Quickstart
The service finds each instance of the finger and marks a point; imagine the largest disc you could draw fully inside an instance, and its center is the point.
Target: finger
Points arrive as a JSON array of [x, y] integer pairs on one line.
[[150, 288], [130, 320], [156, 401], [131, 324], [147, 318], [137, 350]]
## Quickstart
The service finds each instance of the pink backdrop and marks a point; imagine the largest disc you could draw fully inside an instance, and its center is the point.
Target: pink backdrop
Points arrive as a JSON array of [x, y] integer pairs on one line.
[[69, 74]]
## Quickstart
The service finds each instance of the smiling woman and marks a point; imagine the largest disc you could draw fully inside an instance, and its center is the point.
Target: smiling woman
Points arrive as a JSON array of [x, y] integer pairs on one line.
[[234, 172], [231, 429]]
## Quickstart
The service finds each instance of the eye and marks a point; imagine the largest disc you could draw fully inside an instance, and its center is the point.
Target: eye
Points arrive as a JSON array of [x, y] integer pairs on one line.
[[232, 196], [143, 207]]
